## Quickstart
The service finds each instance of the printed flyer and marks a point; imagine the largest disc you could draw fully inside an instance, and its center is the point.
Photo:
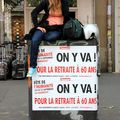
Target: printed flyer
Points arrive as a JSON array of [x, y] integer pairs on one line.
[[66, 79]]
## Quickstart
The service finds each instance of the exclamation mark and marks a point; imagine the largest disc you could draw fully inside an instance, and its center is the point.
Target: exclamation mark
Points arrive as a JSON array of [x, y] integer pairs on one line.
[[95, 88], [94, 57]]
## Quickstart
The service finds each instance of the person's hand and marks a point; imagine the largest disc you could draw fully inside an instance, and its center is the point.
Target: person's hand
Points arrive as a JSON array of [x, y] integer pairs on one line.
[[41, 29]]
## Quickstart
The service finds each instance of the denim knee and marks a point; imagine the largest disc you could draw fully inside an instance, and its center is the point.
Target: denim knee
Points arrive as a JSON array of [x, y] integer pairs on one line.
[[37, 37], [53, 35]]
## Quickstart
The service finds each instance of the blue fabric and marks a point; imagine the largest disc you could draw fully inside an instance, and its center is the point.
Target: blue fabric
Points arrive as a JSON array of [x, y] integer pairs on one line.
[[31, 72], [38, 36]]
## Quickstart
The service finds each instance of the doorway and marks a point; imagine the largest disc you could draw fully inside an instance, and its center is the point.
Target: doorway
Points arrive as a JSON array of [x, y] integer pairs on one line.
[[101, 21]]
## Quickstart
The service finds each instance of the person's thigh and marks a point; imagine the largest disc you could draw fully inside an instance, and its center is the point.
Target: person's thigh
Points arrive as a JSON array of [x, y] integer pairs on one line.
[[37, 37], [52, 35]]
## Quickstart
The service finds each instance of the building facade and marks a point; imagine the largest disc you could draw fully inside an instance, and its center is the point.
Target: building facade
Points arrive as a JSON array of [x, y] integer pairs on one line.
[[1, 21], [117, 35], [104, 13]]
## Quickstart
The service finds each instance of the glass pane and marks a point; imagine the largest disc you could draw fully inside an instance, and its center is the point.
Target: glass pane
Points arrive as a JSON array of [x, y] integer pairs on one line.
[[72, 3]]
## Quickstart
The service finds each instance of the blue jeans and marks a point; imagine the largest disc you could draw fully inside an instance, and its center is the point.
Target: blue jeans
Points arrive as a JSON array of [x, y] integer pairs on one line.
[[35, 42]]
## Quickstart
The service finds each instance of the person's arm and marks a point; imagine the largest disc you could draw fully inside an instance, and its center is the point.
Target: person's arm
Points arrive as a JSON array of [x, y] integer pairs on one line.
[[65, 10], [36, 11]]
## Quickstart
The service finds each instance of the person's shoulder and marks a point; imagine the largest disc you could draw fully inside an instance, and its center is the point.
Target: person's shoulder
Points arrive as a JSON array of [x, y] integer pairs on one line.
[[64, 1], [44, 1]]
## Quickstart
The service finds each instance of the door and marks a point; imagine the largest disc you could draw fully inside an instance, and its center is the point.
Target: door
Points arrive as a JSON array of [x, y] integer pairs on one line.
[[17, 27]]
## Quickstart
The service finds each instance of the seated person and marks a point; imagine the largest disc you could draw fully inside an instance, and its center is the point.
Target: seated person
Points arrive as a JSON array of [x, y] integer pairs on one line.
[[49, 28]]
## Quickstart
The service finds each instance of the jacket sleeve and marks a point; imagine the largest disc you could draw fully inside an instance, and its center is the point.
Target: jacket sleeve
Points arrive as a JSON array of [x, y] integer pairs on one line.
[[36, 11], [65, 10]]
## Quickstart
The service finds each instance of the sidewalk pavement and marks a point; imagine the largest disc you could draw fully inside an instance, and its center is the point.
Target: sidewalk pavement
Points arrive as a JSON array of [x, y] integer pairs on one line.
[[14, 98], [109, 96]]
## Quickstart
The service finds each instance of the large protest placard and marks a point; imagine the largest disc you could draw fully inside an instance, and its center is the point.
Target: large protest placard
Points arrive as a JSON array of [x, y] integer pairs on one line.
[[66, 78]]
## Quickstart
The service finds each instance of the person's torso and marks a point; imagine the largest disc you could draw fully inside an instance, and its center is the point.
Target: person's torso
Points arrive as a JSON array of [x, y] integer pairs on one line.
[[55, 17]]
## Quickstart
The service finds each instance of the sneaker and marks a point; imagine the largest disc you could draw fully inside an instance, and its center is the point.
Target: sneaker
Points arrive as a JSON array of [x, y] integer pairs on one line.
[[31, 72]]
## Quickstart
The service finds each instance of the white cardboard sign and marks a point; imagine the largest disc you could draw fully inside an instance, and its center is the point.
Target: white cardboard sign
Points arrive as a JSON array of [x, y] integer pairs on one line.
[[66, 78]]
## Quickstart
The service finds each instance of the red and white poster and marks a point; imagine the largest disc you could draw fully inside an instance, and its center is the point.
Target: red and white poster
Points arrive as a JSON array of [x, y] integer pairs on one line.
[[66, 79]]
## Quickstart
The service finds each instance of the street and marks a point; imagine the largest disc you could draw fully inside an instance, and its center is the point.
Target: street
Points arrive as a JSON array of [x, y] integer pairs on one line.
[[14, 98]]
